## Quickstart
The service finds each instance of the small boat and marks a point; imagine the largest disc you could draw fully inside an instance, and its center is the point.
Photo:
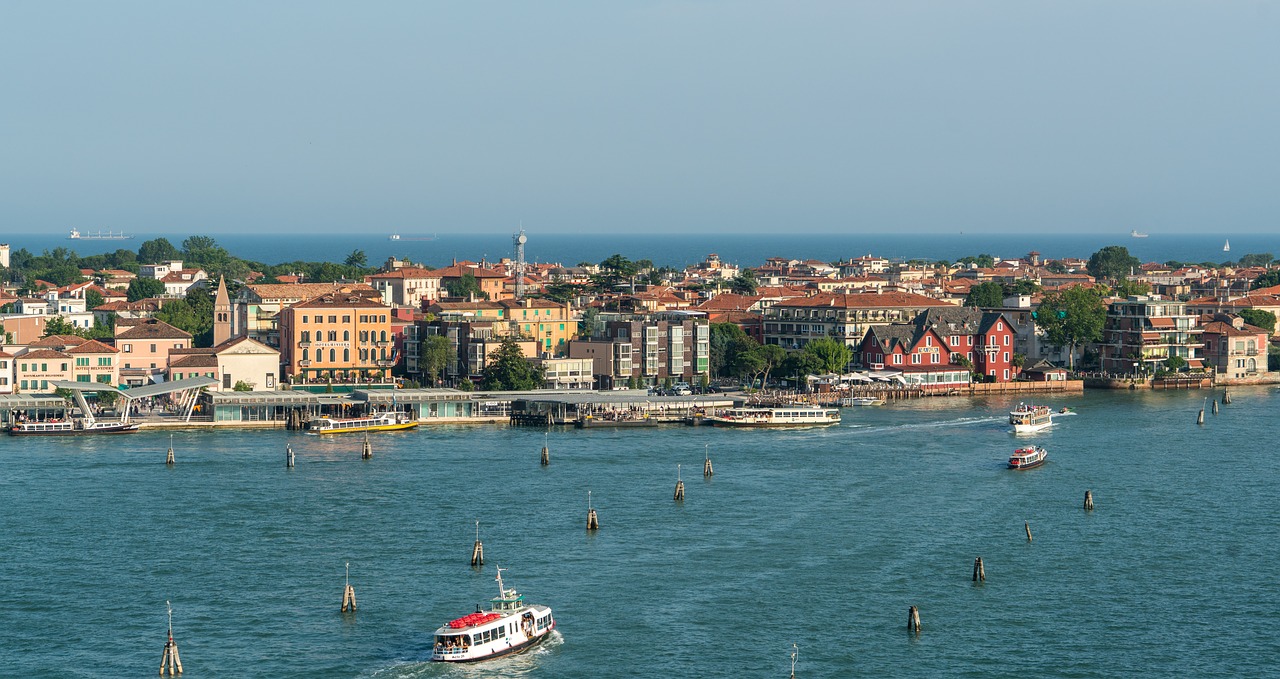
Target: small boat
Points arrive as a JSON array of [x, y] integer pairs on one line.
[[1226, 247], [1028, 418], [510, 626], [1026, 458], [98, 235], [861, 401], [71, 428], [379, 422], [783, 416], [1137, 234]]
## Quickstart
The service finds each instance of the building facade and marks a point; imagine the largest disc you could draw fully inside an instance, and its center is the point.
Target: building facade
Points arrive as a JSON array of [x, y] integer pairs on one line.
[[1143, 332], [1235, 350], [793, 323], [647, 349], [339, 335]]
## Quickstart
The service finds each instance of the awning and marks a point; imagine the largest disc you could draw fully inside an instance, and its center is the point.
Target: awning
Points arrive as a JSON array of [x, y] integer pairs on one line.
[[1161, 322], [169, 387]]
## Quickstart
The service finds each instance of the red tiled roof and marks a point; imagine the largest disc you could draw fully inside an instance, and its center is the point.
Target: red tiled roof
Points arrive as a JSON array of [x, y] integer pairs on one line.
[[93, 347], [865, 300]]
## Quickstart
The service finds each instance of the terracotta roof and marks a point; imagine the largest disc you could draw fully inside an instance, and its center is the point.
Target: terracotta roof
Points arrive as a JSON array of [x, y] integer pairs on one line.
[[59, 341], [1223, 328], [307, 290], [93, 347], [339, 299], [465, 306], [151, 328], [458, 271], [45, 353], [408, 272], [729, 302], [194, 361], [865, 300]]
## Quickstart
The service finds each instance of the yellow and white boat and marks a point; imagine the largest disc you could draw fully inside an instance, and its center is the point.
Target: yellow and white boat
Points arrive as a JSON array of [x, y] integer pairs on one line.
[[379, 422]]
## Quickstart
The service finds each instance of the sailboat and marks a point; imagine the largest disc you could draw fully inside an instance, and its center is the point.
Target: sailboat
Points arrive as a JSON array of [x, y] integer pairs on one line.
[[1226, 247]]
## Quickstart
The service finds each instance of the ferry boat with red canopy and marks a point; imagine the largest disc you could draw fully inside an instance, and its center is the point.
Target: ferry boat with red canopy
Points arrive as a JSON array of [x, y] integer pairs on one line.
[[1026, 458], [510, 626]]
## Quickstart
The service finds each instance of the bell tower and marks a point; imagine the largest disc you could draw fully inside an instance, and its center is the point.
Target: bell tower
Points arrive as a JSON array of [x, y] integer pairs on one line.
[[221, 314]]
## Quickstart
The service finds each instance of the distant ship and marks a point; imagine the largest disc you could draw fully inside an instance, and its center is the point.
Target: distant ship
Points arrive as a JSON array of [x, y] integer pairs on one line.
[[396, 236], [98, 235], [1137, 234], [1226, 247]]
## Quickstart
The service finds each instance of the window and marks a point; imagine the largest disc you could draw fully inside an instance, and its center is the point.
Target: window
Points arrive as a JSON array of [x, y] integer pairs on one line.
[[928, 341], [24, 384], [346, 335], [82, 378], [1006, 373], [346, 319], [44, 367], [915, 359], [306, 335], [333, 319], [304, 319], [82, 362], [897, 359], [226, 381], [1006, 340], [346, 355], [955, 340], [1006, 357], [333, 335], [333, 355], [126, 348]]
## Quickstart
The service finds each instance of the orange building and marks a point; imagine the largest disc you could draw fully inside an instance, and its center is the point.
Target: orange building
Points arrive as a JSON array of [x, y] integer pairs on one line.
[[339, 335]]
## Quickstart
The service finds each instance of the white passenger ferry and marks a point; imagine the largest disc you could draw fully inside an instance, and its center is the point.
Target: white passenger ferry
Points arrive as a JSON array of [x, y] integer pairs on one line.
[[1028, 418], [71, 428], [782, 416], [380, 422], [510, 626], [1026, 458]]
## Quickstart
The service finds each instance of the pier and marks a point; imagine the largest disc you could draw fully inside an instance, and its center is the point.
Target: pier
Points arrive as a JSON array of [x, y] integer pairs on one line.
[[614, 409]]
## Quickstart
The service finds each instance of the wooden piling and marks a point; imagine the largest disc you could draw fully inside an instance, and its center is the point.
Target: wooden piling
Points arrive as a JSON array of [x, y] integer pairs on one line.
[[679, 496], [288, 456], [795, 654], [593, 523], [366, 452], [979, 571], [477, 552], [707, 471], [1226, 398], [1215, 406], [169, 458], [1088, 500], [1200, 417], [913, 620], [1027, 526], [349, 594], [169, 661]]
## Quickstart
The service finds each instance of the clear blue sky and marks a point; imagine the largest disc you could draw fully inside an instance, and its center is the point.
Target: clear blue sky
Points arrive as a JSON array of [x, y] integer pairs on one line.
[[602, 116]]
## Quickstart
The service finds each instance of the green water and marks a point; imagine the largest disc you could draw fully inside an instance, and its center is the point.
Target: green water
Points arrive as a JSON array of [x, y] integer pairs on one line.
[[818, 537]]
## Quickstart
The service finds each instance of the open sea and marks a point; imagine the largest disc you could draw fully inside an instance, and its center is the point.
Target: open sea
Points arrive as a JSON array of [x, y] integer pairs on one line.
[[818, 537], [680, 250]]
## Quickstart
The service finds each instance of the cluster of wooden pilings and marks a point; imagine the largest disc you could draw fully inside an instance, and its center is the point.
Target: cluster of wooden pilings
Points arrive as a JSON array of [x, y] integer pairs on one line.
[[1226, 400]]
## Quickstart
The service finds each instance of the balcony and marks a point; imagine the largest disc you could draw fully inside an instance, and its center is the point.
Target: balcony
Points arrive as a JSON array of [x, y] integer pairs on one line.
[[382, 343], [386, 363], [1251, 352]]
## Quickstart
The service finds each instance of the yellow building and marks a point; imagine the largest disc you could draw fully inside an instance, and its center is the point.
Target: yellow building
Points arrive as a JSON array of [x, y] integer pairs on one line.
[[550, 324], [340, 335]]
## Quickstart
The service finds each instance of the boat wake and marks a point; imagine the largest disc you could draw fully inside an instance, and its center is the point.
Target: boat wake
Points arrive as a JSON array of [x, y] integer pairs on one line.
[[958, 422], [518, 665]]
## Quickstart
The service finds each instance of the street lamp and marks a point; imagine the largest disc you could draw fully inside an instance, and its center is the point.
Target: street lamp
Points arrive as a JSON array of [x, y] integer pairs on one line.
[[1135, 369]]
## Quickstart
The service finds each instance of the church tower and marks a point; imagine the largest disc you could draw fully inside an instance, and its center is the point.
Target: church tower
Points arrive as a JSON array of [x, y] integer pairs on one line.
[[221, 314]]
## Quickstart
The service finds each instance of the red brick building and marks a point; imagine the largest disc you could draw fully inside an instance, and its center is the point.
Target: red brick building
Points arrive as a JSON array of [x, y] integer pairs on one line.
[[942, 337]]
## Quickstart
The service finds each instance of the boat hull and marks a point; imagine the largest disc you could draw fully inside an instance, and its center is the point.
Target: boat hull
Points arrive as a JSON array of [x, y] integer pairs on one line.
[[1029, 465], [376, 427], [1030, 428], [512, 650], [716, 422], [123, 429]]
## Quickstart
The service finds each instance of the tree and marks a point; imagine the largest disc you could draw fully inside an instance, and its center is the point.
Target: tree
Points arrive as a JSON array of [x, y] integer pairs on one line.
[[434, 357], [744, 283], [1129, 288], [1112, 263], [1267, 279], [57, 325], [983, 261], [1056, 267], [93, 299], [241, 385], [743, 357], [800, 364], [586, 324], [357, 258], [1262, 259], [1175, 363], [985, 295], [142, 288], [772, 355], [722, 336], [833, 354], [615, 270], [509, 370], [1071, 317], [157, 250], [465, 286], [1022, 286], [1260, 318], [180, 314]]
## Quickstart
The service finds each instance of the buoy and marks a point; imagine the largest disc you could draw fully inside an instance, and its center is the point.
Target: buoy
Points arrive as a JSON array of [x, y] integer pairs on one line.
[[1027, 525], [1088, 500], [979, 571], [913, 620], [593, 522], [170, 662], [169, 459], [349, 594], [366, 453], [288, 456], [477, 552], [679, 497], [706, 466]]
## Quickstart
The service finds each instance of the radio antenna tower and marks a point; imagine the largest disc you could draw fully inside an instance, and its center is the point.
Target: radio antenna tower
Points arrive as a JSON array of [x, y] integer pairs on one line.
[[520, 239]]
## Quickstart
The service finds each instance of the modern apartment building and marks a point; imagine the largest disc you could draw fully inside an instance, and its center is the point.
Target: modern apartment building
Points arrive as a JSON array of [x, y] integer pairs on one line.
[[647, 349], [1144, 331]]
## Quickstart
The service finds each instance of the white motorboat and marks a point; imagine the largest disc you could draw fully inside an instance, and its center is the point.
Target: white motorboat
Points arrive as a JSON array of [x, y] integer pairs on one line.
[[510, 626], [1029, 418]]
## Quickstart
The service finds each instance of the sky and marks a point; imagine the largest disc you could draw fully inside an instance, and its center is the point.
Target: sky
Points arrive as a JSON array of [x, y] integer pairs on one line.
[[640, 117]]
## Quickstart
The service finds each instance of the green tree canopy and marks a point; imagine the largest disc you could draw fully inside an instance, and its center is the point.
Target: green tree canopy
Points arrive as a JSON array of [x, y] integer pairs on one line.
[[357, 258], [833, 354], [983, 261], [1261, 318], [1112, 263], [800, 364], [985, 295], [157, 250], [744, 283], [1128, 288], [1257, 259], [508, 370], [1022, 286], [465, 286], [142, 288], [434, 357], [723, 335], [614, 271], [93, 299], [1267, 279], [1071, 318]]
